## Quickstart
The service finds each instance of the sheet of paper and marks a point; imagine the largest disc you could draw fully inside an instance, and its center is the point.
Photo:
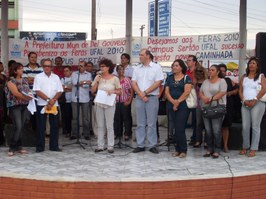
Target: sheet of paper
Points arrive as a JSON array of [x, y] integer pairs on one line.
[[29, 95], [103, 98]]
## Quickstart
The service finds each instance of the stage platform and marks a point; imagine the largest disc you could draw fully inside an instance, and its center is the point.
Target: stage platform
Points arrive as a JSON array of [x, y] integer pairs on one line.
[[79, 173]]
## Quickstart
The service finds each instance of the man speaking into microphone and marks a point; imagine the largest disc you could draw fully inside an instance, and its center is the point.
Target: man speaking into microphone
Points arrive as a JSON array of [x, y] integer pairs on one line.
[[81, 81]]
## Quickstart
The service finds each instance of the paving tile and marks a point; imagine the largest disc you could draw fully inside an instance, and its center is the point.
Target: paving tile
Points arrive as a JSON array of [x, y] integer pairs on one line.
[[75, 163]]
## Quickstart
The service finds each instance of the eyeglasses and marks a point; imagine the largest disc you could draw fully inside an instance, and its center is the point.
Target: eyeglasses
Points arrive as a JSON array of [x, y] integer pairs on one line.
[[47, 65]]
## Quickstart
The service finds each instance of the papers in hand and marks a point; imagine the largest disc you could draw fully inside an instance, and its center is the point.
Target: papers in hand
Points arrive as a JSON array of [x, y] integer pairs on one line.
[[29, 95], [102, 97]]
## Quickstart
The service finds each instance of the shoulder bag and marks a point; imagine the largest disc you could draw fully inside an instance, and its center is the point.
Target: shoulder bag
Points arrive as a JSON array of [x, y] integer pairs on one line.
[[259, 87], [213, 112], [192, 98]]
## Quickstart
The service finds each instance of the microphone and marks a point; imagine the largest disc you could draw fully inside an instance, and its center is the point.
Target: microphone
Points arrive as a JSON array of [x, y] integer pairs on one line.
[[99, 73]]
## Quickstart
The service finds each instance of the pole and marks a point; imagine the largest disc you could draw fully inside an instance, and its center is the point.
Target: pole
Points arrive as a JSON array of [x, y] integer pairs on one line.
[[4, 34], [141, 30], [93, 20], [156, 18], [128, 25], [242, 37]]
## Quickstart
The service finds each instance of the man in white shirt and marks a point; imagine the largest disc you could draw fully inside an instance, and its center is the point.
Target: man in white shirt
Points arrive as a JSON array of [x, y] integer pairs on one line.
[[146, 80], [48, 89]]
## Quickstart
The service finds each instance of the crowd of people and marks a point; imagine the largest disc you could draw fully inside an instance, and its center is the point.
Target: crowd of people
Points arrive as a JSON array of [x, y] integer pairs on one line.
[[51, 90]]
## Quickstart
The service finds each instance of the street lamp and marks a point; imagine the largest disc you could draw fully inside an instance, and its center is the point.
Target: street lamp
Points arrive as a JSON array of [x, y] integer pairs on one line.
[[141, 30]]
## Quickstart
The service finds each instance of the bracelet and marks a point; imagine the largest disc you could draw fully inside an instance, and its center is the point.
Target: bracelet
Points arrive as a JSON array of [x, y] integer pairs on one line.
[[145, 92]]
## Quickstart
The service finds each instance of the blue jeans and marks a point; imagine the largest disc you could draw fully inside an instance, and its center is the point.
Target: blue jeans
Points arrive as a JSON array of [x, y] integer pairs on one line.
[[193, 123], [199, 126], [251, 117], [19, 115], [213, 132], [179, 119], [54, 130], [146, 113]]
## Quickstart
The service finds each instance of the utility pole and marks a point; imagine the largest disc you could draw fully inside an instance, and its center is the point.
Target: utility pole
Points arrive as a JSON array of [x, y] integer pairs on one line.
[[242, 37], [141, 30], [128, 25], [93, 20], [156, 18], [4, 32]]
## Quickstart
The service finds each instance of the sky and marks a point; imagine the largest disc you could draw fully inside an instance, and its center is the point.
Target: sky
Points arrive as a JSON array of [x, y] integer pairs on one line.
[[189, 17]]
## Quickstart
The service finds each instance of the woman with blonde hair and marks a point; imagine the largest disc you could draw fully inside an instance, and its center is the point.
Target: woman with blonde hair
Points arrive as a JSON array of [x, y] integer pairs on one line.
[[200, 75]]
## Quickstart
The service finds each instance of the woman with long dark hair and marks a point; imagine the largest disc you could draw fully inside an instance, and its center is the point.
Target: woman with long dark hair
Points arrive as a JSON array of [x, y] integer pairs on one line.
[[213, 91], [177, 88], [252, 109]]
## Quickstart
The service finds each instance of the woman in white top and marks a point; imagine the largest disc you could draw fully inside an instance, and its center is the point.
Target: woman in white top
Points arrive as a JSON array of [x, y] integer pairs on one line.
[[252, 108], [109, 83]]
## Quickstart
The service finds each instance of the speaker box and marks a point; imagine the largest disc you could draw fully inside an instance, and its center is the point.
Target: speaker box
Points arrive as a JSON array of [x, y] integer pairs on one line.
[[260, 50]]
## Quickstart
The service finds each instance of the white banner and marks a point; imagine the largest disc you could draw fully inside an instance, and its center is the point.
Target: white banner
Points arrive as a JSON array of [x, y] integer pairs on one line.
[[205, 47], [223, 46], [71, 51]]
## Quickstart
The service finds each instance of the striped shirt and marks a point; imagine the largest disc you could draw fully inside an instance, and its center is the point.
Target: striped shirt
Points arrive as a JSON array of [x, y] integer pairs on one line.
[[125, 91], [29, 72]]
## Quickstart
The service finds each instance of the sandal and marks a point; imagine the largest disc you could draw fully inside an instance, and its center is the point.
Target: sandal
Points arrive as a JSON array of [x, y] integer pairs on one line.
[[98, 150], [243, 152], [175, 154], [215, 155], [182, 155], [252, 153], [197, 145], [207, 154], [10, 153], [226, 150], [22, 151]]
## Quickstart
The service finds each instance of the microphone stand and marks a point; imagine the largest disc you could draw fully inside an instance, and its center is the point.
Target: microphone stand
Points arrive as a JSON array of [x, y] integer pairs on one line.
[[120, 144], [81, 144]]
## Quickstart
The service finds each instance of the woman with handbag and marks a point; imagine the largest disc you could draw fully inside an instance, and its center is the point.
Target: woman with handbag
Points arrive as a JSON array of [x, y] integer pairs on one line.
[[177, 88], [212, 92], [252, 88]]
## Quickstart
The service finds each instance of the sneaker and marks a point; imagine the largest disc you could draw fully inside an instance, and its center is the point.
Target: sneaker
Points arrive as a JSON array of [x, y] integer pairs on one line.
[[110, 150], [138, 149], [154, 150]]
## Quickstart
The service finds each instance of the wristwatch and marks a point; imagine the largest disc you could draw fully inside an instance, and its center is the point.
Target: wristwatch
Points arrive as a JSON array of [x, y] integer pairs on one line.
[[48, 99]]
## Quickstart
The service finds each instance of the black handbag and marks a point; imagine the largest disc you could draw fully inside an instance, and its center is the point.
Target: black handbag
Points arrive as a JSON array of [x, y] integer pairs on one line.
[[213, 112]]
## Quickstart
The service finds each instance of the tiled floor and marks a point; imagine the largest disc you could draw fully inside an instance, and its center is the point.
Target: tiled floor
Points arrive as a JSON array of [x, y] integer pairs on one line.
[[77, 164]]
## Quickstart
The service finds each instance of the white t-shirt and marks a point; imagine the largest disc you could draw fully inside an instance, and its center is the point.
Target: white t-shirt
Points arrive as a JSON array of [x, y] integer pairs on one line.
[[210, 89], [250, 88]]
